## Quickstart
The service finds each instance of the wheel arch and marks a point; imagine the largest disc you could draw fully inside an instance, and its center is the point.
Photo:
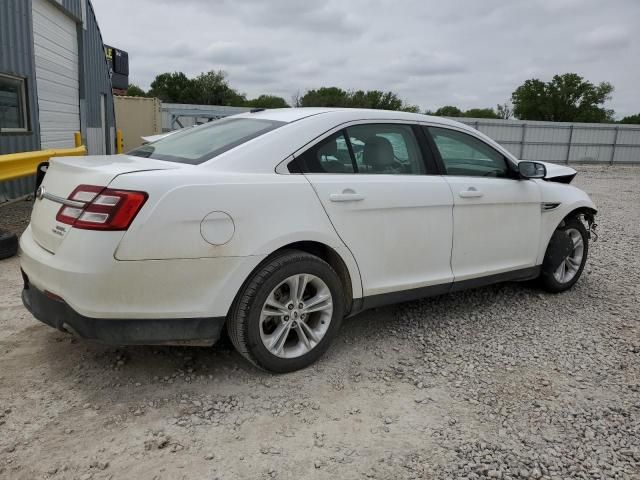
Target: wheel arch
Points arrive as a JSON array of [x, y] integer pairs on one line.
[[333, 258], [583, 210], [349, 279], [555, 218]]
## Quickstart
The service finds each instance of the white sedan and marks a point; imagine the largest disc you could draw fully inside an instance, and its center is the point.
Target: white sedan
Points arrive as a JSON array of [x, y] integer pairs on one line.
[[277, 224]]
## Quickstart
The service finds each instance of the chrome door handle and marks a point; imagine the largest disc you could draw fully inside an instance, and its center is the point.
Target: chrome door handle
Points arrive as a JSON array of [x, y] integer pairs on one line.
[[471, 192], [347, 195]]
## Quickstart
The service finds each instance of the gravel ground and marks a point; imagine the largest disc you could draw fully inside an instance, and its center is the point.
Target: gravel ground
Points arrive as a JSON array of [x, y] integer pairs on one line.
[[15, 216], [501, 382]]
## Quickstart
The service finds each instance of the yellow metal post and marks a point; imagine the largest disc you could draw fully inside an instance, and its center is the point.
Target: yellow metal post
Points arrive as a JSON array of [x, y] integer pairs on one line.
[[119, 142], [78, 139]]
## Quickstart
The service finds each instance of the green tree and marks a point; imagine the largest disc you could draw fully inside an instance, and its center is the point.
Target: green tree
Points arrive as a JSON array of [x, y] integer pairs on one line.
[[631, 119], [481, 113], [379, 100], [337, 97], [374, 99], [566, 98], [135, 91], [411, 108], [448, 111], [208, 88], [212, 88], [267, 101], [325, 97], [173, 87]]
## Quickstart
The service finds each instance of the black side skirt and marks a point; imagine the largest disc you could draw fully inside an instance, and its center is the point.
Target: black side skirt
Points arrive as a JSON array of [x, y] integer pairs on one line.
[[373, 301]]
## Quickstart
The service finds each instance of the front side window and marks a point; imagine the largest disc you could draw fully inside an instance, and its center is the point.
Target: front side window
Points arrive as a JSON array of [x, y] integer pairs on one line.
[[13, 104], [465, 155], [386, 149], [199, 144]]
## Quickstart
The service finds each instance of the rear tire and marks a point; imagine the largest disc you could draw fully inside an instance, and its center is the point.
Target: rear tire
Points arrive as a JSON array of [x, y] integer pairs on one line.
[[559, 278], [288, 312], [8, 244]]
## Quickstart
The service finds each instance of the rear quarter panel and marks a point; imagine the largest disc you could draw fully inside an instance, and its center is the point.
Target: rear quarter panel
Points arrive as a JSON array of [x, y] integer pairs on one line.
[[268, 210]]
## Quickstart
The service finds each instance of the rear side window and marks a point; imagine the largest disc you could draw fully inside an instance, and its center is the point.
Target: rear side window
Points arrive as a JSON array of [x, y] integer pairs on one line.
[[364, 149], [329, 156], [386, 148], [199, 144]]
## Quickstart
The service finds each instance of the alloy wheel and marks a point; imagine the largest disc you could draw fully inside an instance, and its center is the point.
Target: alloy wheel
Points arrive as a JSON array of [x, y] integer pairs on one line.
[[570, 266], [296, 316]]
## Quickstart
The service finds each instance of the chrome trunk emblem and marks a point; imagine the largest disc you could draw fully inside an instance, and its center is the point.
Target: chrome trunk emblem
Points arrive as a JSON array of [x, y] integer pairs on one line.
[[40, 192]]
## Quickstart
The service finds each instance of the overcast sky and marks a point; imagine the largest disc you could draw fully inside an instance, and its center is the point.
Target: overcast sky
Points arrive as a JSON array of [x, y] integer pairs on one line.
[[468, 53]]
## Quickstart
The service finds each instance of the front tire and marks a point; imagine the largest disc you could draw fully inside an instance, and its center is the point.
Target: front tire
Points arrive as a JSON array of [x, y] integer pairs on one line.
[[288, 312], [565, 257]]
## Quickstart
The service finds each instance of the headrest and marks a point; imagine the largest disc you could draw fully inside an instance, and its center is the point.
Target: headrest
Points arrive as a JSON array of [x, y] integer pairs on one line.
[[378, 153], [328, 149]]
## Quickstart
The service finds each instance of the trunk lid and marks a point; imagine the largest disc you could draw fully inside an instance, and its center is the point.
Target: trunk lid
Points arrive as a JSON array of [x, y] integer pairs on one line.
[[64, 175]]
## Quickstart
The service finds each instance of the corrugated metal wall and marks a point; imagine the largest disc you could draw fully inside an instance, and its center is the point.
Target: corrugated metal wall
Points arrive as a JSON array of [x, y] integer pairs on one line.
[[97, 81], [17, 58], [55, 40], [562, 142], [74, 7], [558, 142]]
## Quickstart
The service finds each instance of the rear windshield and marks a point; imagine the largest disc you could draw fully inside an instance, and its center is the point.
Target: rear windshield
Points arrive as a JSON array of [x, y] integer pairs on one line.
[[199, 144]]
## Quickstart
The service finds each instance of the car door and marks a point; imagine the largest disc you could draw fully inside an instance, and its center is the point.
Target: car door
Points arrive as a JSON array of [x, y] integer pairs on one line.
[[395, 218], [496, 216]]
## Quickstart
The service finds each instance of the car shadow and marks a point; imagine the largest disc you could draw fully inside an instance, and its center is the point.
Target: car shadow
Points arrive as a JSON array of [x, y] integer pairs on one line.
[[134, 372]]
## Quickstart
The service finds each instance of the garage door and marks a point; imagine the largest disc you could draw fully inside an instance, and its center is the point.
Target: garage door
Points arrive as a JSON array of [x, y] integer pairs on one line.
[[56, 56]]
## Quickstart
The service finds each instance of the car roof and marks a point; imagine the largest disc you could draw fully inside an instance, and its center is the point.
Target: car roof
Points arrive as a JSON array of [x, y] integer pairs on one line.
[[303, 126], [289, 115]]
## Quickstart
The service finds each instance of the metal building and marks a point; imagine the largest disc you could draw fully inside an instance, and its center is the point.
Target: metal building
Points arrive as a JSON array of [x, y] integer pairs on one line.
[[54, 77]]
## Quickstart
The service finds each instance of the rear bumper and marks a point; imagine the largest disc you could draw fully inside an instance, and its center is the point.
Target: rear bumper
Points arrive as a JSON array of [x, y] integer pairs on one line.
[[164, 331], [84, 273]]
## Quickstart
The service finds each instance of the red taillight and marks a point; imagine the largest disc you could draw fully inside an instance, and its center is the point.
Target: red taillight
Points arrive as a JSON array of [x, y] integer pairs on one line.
[[103, 209]]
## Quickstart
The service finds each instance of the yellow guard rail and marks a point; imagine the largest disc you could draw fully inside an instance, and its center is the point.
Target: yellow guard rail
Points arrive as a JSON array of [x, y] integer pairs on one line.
[[18, 165]]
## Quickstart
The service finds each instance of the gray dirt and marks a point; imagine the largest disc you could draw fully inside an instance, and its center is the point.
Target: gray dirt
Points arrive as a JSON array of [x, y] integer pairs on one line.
[[501, 382]]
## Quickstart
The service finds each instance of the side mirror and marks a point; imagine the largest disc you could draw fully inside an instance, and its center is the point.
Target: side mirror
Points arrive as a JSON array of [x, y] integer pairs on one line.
[[532, 169]]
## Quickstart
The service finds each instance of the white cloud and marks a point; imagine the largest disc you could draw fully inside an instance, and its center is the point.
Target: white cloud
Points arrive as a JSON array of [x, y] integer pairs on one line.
[[463, 52], [607, 37]]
